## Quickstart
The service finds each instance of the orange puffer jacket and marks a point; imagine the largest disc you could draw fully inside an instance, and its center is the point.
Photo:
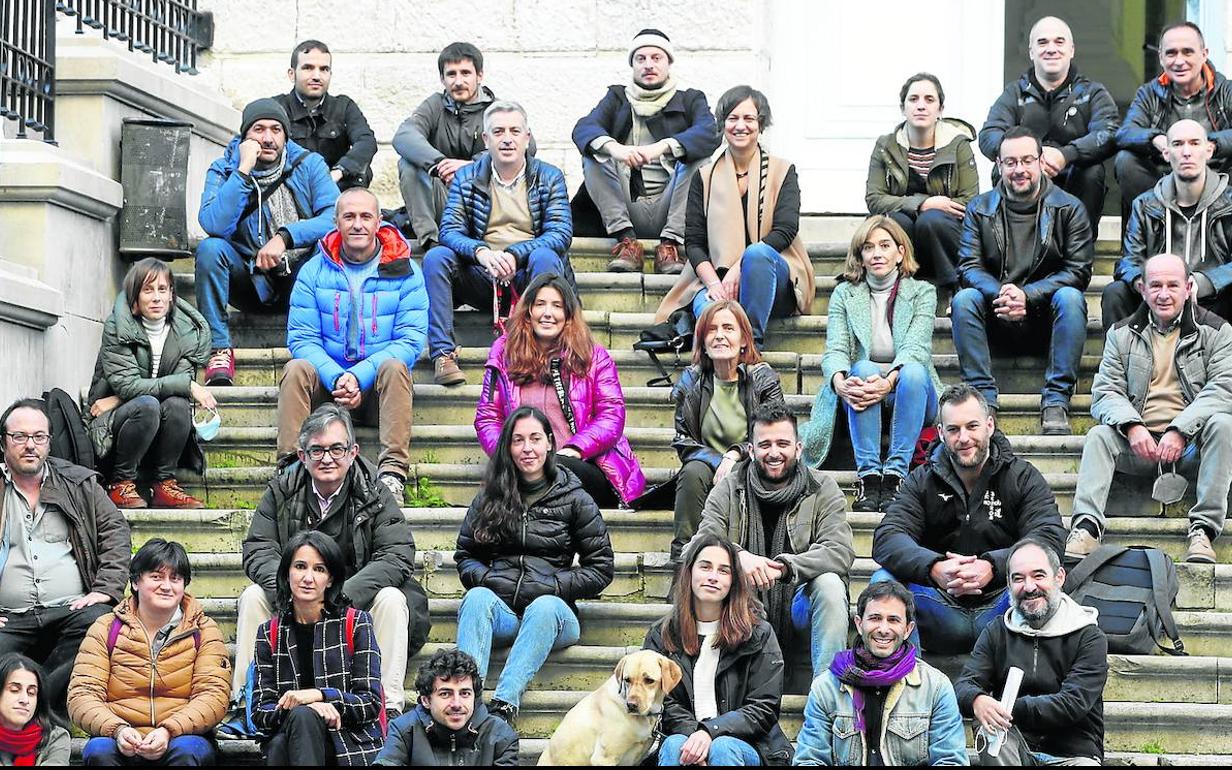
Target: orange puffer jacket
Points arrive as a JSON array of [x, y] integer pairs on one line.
[[187, 691]]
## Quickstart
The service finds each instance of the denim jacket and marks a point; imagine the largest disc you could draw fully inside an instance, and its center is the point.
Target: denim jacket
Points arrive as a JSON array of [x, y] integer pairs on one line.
[[921, 724]]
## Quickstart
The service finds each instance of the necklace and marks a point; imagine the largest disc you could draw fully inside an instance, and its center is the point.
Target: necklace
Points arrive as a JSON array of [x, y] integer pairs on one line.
[[742, 176]]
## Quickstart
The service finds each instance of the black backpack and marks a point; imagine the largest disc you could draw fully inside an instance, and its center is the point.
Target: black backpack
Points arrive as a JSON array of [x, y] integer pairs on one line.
[[69, 439], [675, 336], [1134, 588]]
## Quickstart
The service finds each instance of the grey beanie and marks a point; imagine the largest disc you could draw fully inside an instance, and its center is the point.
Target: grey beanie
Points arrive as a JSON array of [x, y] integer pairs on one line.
[[263, 109]]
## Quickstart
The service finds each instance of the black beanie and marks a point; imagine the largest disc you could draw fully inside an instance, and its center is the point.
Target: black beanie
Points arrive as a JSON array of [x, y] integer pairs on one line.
[[263, 109]]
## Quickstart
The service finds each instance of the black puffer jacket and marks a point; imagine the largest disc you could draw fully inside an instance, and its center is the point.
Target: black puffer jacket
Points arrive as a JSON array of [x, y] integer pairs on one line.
[[933, 514], [1078, 117], [758, 384], [748, 691], [1150, 114], [539, 560]]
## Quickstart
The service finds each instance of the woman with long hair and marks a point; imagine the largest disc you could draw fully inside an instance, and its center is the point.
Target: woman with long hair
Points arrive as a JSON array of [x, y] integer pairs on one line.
[[879, 351], [144, 388], [318, 690], [725, 710], [548, 359], [29, 734], [742, 225], [516, 553], [715, 399]]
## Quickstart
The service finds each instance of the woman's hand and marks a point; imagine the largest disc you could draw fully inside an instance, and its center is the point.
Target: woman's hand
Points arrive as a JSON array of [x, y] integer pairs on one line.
[[104, 405], [201, 396], [292, 698], [716, 291], [696, 750], [327, 712], [731, 281], [569, 451]]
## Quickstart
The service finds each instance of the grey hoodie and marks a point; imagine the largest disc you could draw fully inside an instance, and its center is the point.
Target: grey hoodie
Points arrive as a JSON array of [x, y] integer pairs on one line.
[[1069, 617]]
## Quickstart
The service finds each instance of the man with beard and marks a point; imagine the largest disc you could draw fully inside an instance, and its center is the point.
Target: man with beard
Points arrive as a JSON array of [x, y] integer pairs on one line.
[[1058, 716], [1025, 257], [640, 147], [449, 726], [879, 682], [1162, 398], [1187, 213], [266, 203], [790, 524], [947, 533]]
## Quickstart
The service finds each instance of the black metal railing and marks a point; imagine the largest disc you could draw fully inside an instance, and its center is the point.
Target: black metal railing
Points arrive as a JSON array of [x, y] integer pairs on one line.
[[27, 65], [171, 31]]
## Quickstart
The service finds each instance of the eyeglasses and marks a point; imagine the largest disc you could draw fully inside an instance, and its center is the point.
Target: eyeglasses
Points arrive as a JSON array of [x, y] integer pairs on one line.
[[316, 453], [18, 438], [1026, 160]]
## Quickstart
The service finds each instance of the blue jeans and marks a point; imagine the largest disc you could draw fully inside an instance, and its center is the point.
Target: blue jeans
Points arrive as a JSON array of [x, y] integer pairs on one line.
[[182, 751], [453, 282], [224, 276], [1063, 322], [484, 619], [829, 616], [914, 404], [726, 751], [944, 626], [765, 289]]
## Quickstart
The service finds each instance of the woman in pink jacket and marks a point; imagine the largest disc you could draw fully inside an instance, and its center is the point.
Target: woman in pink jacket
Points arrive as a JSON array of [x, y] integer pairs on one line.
[[548, 359]]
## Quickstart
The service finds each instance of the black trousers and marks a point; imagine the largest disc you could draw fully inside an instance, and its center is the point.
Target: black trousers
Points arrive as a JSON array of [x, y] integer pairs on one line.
[[152, 433], [51, 636], [1086, 183], [935, 236], [593, 480], [302, 741], [1136, 174]]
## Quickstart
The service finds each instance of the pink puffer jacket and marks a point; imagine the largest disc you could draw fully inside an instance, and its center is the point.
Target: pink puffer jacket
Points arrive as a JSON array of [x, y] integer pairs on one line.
[[598, 411]]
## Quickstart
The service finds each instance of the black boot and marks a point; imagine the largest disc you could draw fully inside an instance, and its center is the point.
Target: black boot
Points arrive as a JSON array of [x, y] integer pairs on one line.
[[868, 494], [889, 489], [502, 710]]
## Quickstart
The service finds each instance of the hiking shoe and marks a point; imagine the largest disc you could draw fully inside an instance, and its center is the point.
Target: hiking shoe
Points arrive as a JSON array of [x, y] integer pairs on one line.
[[221, 368], [628, 256], [868, 494], [667, 258], [446, 370], [124, 495], [502, 710], [1080, 543], [1054, 421], [168, 494], [889, 490], [395, 484], [1200, 550]]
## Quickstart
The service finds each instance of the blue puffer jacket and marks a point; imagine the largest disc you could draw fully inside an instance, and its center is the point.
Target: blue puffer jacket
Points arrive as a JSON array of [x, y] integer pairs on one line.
[[228, 193], [393, 312], [465, 219]]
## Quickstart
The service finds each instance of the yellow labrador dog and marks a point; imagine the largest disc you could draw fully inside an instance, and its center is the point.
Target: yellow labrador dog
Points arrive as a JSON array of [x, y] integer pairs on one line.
[[615, 724]]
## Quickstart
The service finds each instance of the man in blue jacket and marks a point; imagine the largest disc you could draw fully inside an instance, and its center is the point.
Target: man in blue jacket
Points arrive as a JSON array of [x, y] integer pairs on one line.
[[266, 203], [358, 320], [640, 148], [506, 221]]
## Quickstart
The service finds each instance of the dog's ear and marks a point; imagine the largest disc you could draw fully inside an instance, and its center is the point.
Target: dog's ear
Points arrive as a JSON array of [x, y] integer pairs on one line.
[[619, 673], [672, 673]]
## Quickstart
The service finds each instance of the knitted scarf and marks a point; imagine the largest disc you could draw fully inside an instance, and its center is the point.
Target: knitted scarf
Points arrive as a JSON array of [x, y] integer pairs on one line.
[[647, 103], [22, 743], [777, 599], [861, 669], [281, 202]]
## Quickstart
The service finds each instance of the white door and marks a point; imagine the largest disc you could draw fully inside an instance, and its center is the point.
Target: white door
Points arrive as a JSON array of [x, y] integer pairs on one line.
[[836, 68]]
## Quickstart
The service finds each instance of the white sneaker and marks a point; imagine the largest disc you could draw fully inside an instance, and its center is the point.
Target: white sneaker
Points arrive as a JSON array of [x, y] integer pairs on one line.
[[395, 485], [1080, 543]]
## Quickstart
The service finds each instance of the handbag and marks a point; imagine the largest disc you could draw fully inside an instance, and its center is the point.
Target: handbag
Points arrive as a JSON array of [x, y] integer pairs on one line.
[[675, 336], [101, 437]]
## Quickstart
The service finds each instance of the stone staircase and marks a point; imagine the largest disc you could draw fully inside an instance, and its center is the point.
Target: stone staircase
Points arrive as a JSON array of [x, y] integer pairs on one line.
[[1159, 710]]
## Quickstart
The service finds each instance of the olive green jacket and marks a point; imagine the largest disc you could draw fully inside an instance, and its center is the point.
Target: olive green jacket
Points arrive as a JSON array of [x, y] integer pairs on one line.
[[953, 173]]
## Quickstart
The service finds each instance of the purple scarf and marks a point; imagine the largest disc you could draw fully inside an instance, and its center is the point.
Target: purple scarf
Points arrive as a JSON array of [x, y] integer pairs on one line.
[[861, 669]]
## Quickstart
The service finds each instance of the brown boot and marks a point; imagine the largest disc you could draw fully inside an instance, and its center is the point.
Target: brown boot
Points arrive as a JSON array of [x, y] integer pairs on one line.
[[667, 258], [627, 256], [168, 494], [124, 495], [446, 369]]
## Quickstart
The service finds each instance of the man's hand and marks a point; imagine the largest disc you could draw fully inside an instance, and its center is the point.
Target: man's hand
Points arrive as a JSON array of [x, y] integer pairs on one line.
[[326, 711], [1011, 303], [1171, 446], [447, 167], [988, 712], [90, 599], [1161, 143], [760, 571], [501, 265], [633, 157], [104, 405], [569, 452], [1053, 161], [128, 741], [960, 575], [1142, 443], [944, 203], [696, 749], [250, 150], [336, 175], [346, 391], [292, 698], [271, 253], [155, 744]]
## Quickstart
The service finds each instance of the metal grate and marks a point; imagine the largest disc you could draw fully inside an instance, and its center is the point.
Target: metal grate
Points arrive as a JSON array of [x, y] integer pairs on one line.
[[170, 31], [27, 65]]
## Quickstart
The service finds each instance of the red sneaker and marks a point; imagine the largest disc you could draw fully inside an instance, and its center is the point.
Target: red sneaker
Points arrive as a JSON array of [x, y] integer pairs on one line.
[[221, 367], [124, 495], [168, 494]]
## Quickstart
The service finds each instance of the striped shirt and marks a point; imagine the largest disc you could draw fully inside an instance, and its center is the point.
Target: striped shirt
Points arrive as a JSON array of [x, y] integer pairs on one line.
[[921, 161]]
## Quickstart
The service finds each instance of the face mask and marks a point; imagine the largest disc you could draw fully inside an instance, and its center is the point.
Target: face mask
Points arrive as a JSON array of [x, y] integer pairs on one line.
[[1169, 487], [208, 430]]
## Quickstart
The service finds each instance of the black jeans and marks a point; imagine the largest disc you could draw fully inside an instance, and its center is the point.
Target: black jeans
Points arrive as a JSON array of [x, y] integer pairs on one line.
[[302, 741], [1136, 174], [1119, 301], [935, 236], [152, 433], [593, 480], [52, 636], [1086, 183]]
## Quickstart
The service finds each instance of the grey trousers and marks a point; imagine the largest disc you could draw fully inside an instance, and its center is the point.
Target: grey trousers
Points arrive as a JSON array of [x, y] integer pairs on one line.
[[661, 216], [424, 196], [1016, 753], [1106, 450]]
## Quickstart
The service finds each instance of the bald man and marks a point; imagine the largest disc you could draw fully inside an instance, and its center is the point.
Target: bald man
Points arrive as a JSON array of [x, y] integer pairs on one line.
[[1187, 213], [358, 321], [1074, 116], [1162, 397]]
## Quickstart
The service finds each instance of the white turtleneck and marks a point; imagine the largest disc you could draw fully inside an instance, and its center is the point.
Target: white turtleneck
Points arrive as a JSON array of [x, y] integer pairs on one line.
[[882, 338], [705, 670], [157, 332]]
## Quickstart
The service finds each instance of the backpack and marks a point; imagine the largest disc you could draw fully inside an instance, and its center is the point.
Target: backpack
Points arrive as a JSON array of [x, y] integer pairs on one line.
[[69, 438], [117, 625], [1134, 588], [675, 336]]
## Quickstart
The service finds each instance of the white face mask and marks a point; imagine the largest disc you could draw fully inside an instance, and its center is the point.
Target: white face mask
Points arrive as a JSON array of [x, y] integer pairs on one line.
[[208, 430]]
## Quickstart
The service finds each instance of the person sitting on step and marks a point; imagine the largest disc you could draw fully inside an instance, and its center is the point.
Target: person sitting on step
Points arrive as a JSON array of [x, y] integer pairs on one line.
[[266, 203], [549, 359], [531, 545], [150, 682], [946, 534], [879, 342], [725, 710], [715, 399], [506, 221], [333, 490], [1162, 399], [790, 524], [29, 734], [144, 388], [358, 321], [641, 146], [449, 726], [318, 688]]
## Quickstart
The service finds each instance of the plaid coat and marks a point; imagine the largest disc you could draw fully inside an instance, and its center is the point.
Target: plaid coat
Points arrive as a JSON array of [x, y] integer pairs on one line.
[[352, 685]]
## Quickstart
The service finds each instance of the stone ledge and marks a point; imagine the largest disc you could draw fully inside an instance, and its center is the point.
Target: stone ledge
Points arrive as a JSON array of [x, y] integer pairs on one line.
[[37, 172], [27, 301]]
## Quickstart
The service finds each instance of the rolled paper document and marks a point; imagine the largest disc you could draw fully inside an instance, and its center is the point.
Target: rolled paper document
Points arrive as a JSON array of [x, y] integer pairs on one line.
[[1013, 680]]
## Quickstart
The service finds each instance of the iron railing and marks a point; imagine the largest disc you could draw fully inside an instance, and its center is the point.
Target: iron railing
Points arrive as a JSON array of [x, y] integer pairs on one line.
[[171, 31], [27, 65]]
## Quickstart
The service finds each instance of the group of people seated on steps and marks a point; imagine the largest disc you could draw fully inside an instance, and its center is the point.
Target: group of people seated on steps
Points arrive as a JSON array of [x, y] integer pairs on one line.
[[969, 542]]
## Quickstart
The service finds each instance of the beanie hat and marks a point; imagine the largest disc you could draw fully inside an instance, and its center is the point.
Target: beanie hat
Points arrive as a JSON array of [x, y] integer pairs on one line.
[[651, 37], [263, 109]]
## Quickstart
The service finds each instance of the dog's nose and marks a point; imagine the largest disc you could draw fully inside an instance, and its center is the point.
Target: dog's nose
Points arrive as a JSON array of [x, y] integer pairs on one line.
[[631, 706]]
